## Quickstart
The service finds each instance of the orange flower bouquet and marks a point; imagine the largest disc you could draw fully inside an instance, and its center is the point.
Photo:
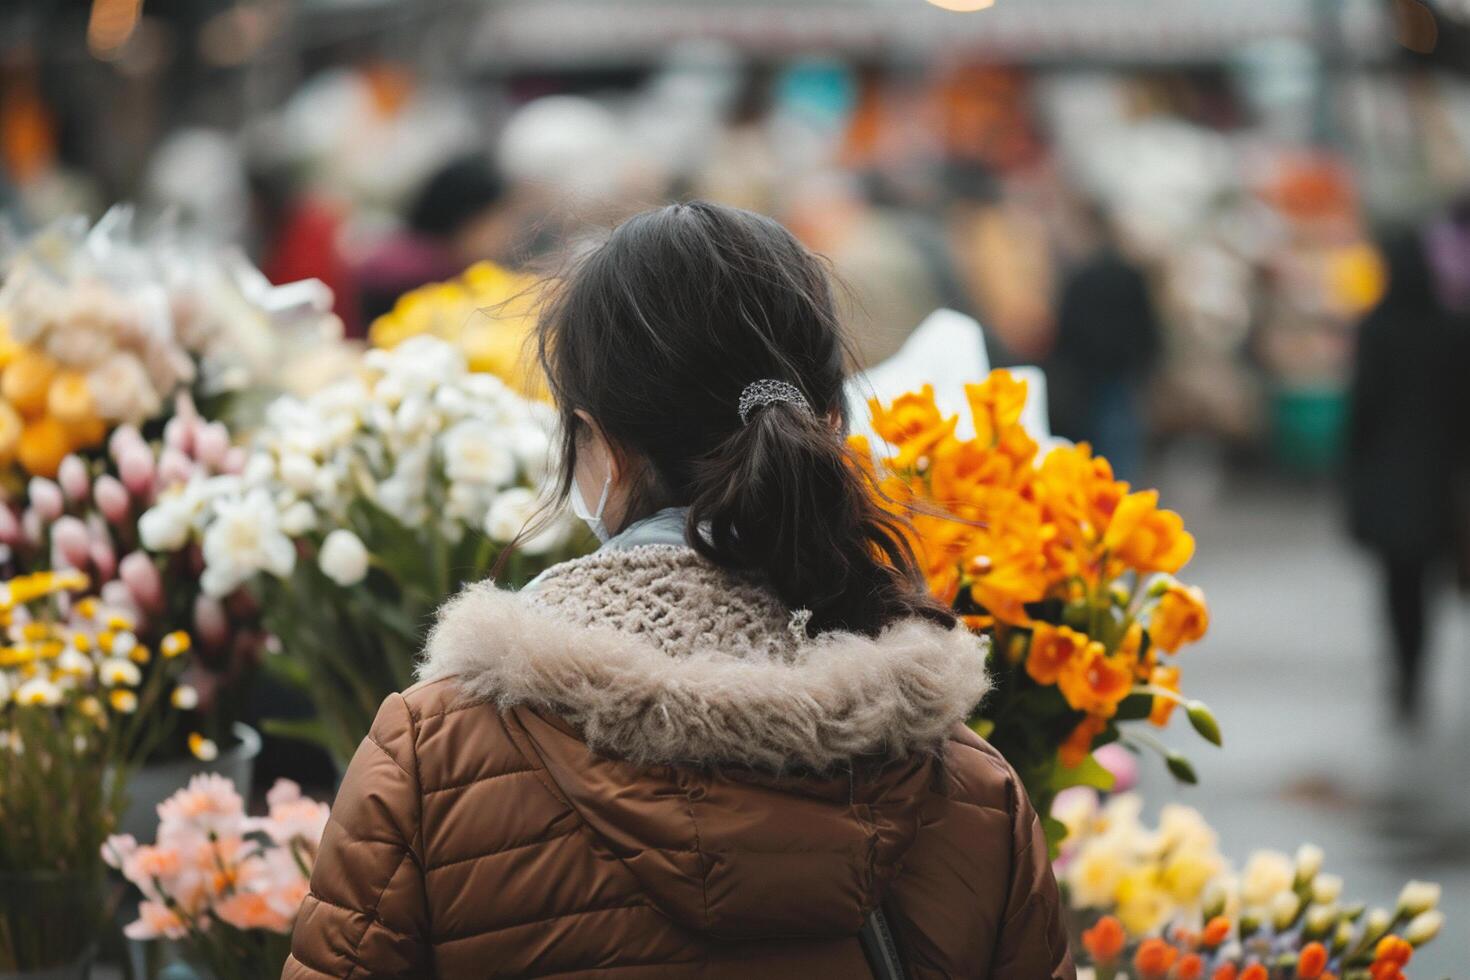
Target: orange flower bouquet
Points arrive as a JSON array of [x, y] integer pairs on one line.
[[1069, 571]]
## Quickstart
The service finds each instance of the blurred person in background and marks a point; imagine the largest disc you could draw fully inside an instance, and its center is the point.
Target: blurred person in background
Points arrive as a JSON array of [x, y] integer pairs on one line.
[[1409, 434], [460, 216], [1107, 343], [297, 234]]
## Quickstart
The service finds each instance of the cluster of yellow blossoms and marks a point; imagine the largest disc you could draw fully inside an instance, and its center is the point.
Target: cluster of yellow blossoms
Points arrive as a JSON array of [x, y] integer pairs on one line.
[[1070, 570], [93, 662], [487, 312], [46, 410]]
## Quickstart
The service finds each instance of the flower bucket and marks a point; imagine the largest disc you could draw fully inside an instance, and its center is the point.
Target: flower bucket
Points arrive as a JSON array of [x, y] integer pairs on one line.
[[155, 782], [49, 924]]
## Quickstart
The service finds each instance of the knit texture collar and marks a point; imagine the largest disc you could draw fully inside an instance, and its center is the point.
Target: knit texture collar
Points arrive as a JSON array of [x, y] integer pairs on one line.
[[657, 656]]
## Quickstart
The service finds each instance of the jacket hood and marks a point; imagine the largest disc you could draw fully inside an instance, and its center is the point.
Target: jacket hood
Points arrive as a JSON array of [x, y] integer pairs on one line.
[[657, 656], [757, 783]]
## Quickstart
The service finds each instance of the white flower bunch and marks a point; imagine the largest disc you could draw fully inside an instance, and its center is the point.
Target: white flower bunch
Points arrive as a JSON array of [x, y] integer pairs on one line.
[[415, 435]]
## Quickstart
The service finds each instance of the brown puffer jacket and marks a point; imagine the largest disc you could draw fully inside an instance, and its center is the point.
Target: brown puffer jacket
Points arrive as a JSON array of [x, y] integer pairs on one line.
[[644, 769]]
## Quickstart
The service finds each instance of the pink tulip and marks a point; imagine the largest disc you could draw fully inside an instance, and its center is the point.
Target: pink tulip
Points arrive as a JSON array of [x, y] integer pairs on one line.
[[46, 498], [1121, 763], [112, 498], [211, 623], [116, 595], [140, 575], [73, 478], [235, 460], [211, 444], [70, 542], [174, 468], [104, 559], [122, 438], [135, 465], [178, 434], [32, 528], [9, 526]]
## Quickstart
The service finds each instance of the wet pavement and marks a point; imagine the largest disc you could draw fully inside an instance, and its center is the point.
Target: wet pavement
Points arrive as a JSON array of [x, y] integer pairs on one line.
[[1295, 669]]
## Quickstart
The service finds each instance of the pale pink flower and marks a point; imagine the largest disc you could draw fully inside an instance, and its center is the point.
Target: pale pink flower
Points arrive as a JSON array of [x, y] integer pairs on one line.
[[211, 623], [118, 848], [112, 498], [74, 479], [178, 434], [117, 598], [208, 805], [9, 526], [252, 910], [135, 465], [46, 498], [140, 575], [295, 818], [155, 921], [1121, 763], [122, 438], [174, 468], [104, 558], [212, 444], [70, 542]]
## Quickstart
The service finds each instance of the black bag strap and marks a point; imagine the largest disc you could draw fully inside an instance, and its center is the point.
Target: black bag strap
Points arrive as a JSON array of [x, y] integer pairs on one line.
[[879, 947]]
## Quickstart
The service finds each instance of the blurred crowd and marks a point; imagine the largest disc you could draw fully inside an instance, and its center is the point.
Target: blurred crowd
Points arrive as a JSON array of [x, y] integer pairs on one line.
[[1181, 248]]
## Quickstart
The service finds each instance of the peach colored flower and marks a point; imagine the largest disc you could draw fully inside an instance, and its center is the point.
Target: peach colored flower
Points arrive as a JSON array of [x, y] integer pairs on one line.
[[252, 910], [1180, 617], [208, 805], [155, 921]]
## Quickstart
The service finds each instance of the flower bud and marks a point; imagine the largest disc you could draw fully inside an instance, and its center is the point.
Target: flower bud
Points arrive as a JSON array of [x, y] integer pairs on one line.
[[1417, 897], [1181, 768], [212, 444], [112, 498], [135, 465], [1250, 923], [1342, 936], [1319, 921], [46, 499], [70, 542], [1376, 926], [1309, 858], [1285, 907], [1204, 721], [1424, 927], [145, 585], [1326, 889], [174, 468], [73, 478], [1160, 585]]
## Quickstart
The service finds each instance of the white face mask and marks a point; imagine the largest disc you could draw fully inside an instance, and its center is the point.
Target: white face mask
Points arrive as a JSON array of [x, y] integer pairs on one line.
[[592, 518]]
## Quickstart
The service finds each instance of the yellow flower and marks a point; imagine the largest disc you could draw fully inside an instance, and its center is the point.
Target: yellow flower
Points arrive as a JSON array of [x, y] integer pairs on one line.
[[11, 426], [1095, 682], [44, 443], [115, 671], [184, 697], [1168, 679], [175, 644], [202, 748], [1143, 906], [1267, 874], [38, 692], [1180, 617], [27, 380], [123, 701], [913, 425], [1096, 872], [1147, 539]]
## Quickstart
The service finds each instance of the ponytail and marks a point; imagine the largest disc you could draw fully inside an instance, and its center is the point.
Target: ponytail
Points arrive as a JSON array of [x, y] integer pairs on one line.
[[657, 334], [785, 498]]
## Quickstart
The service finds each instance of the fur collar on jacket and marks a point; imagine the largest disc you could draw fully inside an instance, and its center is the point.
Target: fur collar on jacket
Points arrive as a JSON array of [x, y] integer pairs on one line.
[[657, 656]]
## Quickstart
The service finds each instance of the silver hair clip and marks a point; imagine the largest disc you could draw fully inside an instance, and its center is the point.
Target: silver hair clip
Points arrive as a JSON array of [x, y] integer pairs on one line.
[[768, 391]]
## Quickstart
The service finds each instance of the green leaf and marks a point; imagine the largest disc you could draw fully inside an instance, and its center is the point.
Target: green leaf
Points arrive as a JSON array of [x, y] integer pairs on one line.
[[1089, 772], [1055, 831], [1135, 707]]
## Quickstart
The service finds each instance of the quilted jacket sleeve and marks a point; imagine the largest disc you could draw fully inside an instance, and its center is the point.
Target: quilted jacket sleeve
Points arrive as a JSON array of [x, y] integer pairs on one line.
[[1033, 938], [365, 916]]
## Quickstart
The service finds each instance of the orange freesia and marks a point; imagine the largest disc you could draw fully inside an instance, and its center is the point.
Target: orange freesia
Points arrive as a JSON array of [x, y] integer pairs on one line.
[[1255, 972], [1226, 971], [1154, 959], [1147, 539], [1312, 961], [913, 425], [1190, 967], [1052, 648], [1079, 744], [1180, 617], [1391, 953], [1168, 679], [1105, 940], [1095, 682]]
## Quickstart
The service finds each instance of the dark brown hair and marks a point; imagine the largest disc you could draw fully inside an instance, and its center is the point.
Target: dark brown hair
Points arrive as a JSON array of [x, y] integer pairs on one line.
[[656, 332]]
